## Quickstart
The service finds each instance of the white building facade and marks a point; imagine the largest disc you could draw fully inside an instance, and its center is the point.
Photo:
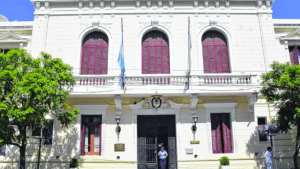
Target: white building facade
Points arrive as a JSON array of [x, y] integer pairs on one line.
[[232, 44]]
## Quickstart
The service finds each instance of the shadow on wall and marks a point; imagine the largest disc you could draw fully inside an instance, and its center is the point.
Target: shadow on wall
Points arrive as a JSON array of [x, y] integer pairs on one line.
[[55, 156], [282, 148]]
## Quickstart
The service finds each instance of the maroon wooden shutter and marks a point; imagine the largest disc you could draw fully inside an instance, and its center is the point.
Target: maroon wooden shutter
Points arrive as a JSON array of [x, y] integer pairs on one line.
[[227, 135], [95, 54], [215, 53], [216, 133], [155, 54], [294, 56], [82, 136]]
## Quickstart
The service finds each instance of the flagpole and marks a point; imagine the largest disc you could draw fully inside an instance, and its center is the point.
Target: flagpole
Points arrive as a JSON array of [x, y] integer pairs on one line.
[[189, 62], [123, 54]]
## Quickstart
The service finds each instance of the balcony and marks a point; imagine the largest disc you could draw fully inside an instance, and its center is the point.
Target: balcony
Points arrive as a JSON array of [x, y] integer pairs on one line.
[[153, 83]]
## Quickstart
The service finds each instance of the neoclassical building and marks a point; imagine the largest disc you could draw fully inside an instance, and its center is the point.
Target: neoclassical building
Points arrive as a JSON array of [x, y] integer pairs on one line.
[[200, 101]]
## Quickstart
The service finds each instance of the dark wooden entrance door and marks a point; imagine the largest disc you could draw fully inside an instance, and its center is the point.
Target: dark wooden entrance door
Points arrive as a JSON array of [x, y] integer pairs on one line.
[[154, 131]]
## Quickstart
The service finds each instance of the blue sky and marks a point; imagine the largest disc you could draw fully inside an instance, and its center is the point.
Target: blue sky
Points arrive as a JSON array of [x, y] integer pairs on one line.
[[22, 10]]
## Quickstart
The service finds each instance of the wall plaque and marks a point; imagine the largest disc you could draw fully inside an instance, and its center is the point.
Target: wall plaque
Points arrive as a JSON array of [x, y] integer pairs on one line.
[[195, 142], [189, 151], [119, 147]]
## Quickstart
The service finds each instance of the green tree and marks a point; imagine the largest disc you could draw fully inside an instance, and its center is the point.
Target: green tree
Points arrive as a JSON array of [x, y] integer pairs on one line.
[[31, 88], [281, 86]]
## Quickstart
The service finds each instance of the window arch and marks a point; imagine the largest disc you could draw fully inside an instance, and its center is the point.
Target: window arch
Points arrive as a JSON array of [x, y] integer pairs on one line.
[[294, 54], [155, 53], [94, 56], [215, 53]]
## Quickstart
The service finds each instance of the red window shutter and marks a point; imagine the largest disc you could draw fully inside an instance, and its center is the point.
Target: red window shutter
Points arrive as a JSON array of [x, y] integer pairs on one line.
[[145, 57], [205, 57], [216, 133], [82, 137], [155, 55], [294, 56], [94, 57], [227, 136], [215, 53], [104, 59]]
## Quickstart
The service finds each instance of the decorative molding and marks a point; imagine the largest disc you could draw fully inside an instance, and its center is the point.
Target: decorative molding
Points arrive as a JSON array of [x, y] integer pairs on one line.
[[9, 33], [286, 44], [297, 31], [252, 99], [118, 103], [171, 4], [154, 23], [217, 4], [113, 4], [259, 4], [102, 4], [168, 25], [213, 23], [37, 5], [268, 4], [138, 4], [227, 4], [159, 3], [91, 5], [47, 5], [196, 4], [175, 105], [206, 4], [193, 103], [139, 105], [95, 24], [21, 45], [80, 5], [217, 105], [149, 4]]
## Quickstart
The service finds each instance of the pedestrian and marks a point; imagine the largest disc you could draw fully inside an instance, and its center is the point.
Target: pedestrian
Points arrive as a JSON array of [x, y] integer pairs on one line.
[[163, 158], [268, 156]]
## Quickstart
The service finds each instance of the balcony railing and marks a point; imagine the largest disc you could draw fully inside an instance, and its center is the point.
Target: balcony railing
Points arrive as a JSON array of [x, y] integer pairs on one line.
[[165, 80]]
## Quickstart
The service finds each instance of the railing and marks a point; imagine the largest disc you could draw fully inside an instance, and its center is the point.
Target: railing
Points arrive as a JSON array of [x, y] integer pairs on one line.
[[166, 80], [155, 80], [223, 79], [95, 80]]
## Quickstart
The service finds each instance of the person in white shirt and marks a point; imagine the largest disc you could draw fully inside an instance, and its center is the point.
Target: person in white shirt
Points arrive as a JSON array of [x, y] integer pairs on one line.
[[162, 157], [268, 157]]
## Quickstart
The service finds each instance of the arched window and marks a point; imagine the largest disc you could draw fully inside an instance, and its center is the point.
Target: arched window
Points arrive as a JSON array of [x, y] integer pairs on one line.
[[215, 53], [94, 57], [155, 53], [294, 54]]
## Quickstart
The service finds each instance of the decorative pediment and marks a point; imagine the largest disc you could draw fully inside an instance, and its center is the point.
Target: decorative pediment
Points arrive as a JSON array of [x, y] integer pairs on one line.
[[293, 35], [147, 103], [11, 36]]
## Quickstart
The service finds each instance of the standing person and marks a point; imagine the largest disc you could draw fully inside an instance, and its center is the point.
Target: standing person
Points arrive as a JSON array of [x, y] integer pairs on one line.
[[268, 156], [162, 157]]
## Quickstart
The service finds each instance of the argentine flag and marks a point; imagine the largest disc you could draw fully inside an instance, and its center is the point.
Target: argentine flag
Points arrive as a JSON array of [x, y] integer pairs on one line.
[[299, 56], [187, 84], [121, 65]]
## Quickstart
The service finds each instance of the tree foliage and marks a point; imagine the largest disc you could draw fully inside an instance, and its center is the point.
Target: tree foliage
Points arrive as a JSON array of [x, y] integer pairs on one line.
[[31, 88], [281, 86]]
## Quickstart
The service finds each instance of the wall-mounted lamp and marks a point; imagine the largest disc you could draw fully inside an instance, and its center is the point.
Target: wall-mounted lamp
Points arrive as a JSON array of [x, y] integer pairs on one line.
[[195, 119], [118, 118]]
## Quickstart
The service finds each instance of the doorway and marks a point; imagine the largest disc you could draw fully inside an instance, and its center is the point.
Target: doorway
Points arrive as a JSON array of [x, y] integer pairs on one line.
[[154, 132]]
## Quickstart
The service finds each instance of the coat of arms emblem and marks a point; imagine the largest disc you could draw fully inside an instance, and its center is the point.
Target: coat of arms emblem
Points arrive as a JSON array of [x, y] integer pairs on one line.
[[156, 102]]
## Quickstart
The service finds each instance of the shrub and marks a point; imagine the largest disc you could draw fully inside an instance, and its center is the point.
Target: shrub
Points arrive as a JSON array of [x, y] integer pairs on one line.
[[224, 160], [74, 163]]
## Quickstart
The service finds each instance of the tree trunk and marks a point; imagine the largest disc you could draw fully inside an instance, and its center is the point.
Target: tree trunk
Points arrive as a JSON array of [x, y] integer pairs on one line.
[[297, 148], [23, 147], [22, 157]]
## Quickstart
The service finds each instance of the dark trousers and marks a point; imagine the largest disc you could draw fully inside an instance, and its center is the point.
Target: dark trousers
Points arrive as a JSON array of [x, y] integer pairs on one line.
[[162, 164]]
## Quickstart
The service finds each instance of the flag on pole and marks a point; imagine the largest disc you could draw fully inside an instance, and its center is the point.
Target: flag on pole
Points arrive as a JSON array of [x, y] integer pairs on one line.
[[121, 61], [187, 84], [298, 55]]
